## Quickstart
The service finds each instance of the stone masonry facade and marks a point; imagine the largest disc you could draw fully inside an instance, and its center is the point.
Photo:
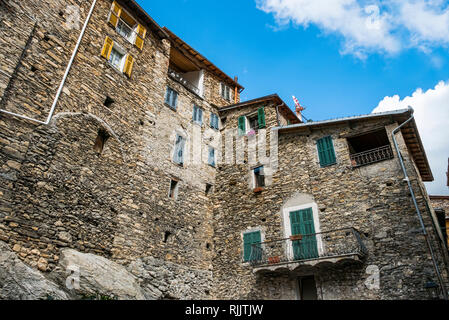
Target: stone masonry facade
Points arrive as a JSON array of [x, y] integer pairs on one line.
[[100, 177]]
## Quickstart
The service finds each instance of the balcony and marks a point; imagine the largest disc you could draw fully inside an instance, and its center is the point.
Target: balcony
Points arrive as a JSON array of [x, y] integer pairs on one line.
[[308, 251], [190, 80], [371, 156]]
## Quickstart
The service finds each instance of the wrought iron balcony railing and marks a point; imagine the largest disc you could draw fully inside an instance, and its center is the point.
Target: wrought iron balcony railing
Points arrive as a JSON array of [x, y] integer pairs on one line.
[[371, 156], [318, 246], [178, 77]]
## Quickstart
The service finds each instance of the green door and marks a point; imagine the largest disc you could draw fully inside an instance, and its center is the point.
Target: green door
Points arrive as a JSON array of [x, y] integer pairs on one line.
[[302, 223]]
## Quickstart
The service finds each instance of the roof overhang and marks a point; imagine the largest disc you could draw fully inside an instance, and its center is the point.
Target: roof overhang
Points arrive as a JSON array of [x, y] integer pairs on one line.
[[182, 46], [283, 107], [409, 132]]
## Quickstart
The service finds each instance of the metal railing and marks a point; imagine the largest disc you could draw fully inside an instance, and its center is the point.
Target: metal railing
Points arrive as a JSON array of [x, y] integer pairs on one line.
[[178, 77], [317, 246], [371, 156]]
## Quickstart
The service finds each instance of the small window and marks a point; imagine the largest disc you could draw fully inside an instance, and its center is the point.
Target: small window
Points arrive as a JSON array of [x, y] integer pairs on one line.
[[125, 30], [108, 102], [197, 115], [251, 123], [178, 156], [251, 246], [225, 92], [173, 193], [126, 25], [211, 159], [259, 177], [117, 58], [214, 121], [100, 141], [208, 188], [326, 152], [171, 98]]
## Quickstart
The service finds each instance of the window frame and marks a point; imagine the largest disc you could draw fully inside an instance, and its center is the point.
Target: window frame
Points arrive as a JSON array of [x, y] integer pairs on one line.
[[200, 111], [173, 91], [122, 52], [214, 164], [214, 124], [254, 177], [246, 233], [176, 149], [173, 192], [225, 91], [132, 38], [324, 165]]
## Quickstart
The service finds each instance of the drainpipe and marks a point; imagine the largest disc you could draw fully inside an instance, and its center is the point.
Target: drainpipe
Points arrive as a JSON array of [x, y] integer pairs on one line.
[[418, 212], [61, 86]]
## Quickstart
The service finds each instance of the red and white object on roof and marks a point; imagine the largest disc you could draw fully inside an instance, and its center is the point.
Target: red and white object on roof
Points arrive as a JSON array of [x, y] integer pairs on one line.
[[299, 108]]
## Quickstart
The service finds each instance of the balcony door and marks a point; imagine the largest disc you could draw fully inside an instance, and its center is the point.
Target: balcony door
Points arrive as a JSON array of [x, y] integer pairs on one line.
[[302, 223]]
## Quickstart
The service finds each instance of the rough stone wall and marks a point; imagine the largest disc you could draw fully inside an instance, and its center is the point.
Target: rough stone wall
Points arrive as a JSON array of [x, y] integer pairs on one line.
[[36, 46], [57, 192], [373, 199]]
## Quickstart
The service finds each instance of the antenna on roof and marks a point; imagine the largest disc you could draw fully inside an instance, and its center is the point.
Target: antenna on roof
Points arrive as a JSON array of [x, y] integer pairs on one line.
[[299, 109]]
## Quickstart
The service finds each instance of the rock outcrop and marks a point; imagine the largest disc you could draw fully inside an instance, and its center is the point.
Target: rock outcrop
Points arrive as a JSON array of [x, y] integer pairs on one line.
[[21, 282], [89, 274]]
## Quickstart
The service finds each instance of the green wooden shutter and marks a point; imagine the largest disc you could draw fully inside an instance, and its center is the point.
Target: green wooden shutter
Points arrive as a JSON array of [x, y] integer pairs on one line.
[[242, 126], [301, 222], [326, 151], [261, 117], [249, 239]]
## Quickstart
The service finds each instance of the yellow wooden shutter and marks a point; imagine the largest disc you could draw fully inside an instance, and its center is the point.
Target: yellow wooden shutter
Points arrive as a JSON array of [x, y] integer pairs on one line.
[[141, 31], [138, 42], [129, 65], [140, 36], [114, 16], [107, 48]]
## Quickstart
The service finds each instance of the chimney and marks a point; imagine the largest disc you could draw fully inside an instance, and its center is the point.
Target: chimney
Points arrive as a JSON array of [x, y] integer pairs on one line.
[[298, 113], [236, 90]]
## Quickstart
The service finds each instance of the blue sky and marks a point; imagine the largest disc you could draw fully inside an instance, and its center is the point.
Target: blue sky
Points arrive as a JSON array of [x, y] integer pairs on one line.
[[330, 59]]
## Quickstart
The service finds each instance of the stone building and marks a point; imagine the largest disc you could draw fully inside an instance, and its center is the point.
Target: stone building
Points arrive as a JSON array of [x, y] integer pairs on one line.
[[117, 155]]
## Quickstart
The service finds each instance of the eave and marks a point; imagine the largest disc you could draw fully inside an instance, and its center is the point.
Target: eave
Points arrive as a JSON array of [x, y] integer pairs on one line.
[[187, 49]]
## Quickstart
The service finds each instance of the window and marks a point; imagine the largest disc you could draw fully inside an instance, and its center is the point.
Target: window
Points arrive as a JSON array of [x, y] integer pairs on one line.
[[197, 115], [178, 156], [211, 159], [252, 122], [124, 30], [117, 57], [127, 26], [258, 177], [369, 148], [214, 121], [100, 141], [171, 98], [208, 188], [225, 92], [326, 151], [173, 193], [108, 102], [251, 246]]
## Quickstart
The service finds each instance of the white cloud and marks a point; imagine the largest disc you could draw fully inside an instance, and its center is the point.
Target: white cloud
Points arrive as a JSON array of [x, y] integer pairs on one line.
[[369, 26], [432, 119]]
